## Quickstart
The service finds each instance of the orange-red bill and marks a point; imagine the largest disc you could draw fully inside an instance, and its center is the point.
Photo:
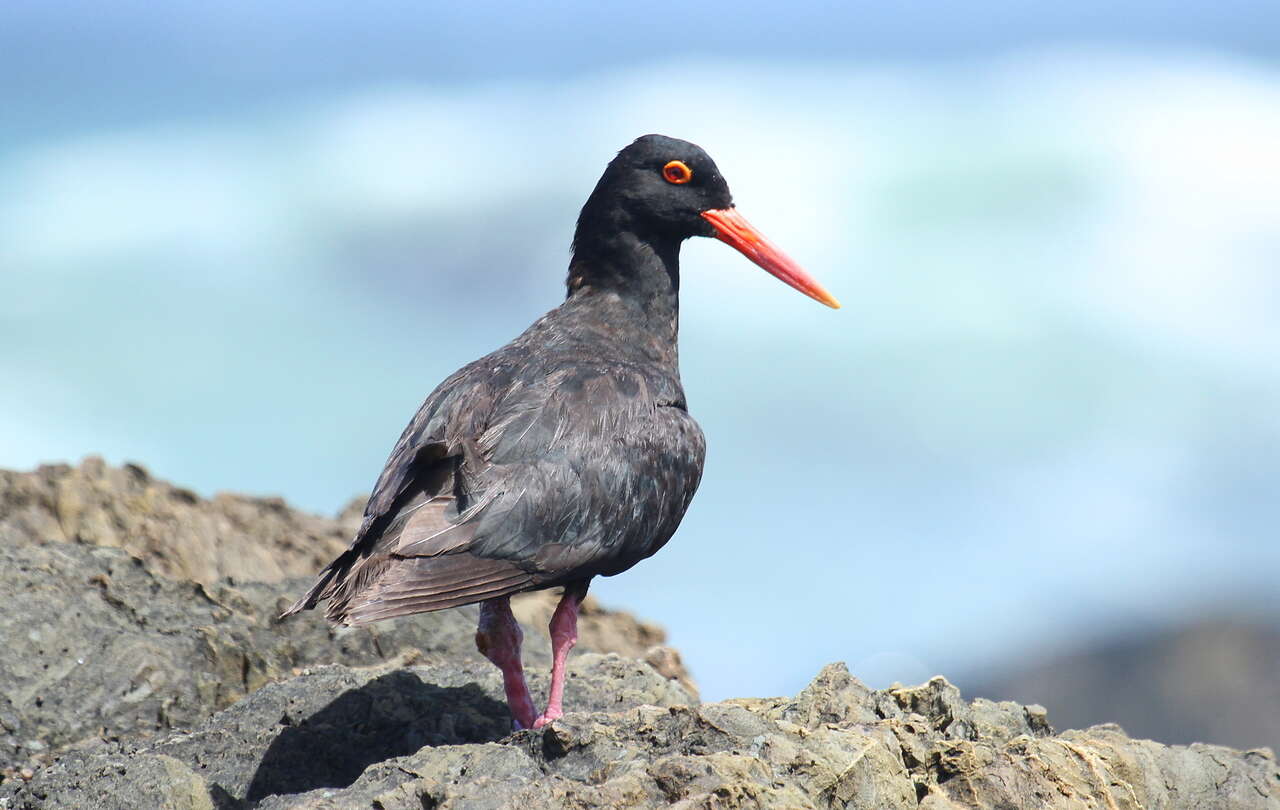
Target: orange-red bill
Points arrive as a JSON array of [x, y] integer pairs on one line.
[[732, 228]]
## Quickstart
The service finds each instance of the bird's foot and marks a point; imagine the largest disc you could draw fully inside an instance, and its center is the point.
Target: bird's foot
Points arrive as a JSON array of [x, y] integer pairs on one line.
[[547, 717]]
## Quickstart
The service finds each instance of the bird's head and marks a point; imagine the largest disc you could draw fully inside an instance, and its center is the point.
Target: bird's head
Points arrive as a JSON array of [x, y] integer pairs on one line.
[[662, 188]]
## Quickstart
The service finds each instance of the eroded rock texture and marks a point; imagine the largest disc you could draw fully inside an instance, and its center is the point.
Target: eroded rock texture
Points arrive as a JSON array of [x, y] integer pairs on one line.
[[141, 668], [133, 607], [436, 735]]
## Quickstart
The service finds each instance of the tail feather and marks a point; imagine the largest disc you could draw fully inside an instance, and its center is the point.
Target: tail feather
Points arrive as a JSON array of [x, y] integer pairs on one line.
[[323, 584]]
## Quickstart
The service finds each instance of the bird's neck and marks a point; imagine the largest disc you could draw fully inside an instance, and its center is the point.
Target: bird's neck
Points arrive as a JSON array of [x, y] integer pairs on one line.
[[630, 281]]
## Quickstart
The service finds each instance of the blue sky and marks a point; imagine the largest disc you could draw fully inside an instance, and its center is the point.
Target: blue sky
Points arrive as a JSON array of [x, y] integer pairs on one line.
[[240, 244]]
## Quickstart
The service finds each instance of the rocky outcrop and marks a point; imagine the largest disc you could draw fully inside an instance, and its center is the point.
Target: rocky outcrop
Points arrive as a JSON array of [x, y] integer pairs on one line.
[[136, 674], [179, 534], [96, 646], [435, 735]]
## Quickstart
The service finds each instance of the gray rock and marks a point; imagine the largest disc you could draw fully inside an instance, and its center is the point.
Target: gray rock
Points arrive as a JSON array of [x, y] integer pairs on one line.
[[144, 781], [322, 730], [136, 675], [97, 646], [436, 736]]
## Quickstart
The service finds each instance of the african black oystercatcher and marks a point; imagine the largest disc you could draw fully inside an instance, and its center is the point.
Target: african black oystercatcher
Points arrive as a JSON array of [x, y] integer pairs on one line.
[[569, 452]]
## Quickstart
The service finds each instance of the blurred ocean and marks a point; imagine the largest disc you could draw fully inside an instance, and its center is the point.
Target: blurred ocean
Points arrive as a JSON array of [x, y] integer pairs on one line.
[[1049, 410]]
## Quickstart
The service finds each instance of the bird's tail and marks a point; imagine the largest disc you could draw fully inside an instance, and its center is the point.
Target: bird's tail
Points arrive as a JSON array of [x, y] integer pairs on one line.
[[324, 586]]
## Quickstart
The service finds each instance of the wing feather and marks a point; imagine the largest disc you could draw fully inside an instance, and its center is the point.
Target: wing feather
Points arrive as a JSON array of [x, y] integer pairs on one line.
[[434, 583]]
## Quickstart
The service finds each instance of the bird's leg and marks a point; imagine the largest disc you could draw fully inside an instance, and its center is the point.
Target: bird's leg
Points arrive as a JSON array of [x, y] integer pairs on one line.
[[498, 638], [564, 634]]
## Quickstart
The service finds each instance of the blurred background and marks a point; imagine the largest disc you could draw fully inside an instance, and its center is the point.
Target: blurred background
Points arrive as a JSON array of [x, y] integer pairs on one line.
[[1037, 451]]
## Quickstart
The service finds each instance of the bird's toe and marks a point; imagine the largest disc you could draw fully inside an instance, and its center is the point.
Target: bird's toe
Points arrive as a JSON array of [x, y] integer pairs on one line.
[[547, 718]]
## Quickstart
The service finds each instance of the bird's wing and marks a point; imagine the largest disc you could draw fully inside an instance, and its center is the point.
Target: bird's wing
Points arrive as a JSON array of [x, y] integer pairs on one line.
[[504, 482], [590, 471], [421, 508]]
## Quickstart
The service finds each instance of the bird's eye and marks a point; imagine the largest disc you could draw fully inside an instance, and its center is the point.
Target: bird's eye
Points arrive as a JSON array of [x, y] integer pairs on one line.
[[676, 172]]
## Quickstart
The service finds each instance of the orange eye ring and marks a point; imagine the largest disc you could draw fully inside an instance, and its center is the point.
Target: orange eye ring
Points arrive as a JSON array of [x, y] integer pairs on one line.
[[677, 172]]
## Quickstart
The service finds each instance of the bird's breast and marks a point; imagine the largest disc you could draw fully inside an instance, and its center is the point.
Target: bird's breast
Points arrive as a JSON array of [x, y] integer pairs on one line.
[[595, 462]]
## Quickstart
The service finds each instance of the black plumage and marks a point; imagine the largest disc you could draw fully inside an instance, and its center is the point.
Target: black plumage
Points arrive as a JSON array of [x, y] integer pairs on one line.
[[568, 453]]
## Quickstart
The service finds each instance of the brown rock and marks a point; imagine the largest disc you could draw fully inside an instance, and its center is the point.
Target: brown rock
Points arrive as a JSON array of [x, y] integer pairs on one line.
[[177, 533]]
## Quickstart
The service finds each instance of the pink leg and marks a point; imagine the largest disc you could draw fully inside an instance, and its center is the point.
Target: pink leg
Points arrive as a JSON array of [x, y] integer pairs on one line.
[[498, 638], [564, 634]]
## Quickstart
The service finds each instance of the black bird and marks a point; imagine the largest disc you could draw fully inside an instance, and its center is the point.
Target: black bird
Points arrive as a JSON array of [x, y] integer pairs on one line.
[[566, 454]]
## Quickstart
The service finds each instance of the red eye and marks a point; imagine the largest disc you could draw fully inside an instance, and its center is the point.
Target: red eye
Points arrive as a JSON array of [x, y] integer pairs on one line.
[[677, 172]]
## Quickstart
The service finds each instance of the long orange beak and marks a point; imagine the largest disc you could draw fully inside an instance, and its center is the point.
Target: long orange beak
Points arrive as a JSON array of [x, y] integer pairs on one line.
[[733, 229]]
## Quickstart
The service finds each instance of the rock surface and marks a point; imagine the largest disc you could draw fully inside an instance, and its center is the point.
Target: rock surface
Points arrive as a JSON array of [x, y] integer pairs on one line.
[[136, 675], [177, 533], [435, 735], [133, 608], [98, 646]]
